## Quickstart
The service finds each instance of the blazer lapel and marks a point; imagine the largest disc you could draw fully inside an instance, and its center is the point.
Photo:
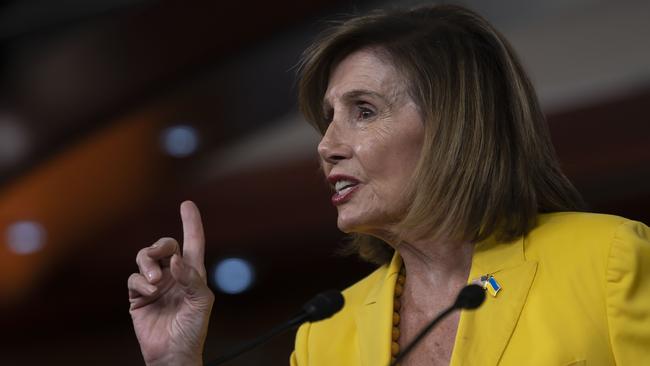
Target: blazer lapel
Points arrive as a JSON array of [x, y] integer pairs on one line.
[[373, 324], [483, 334]]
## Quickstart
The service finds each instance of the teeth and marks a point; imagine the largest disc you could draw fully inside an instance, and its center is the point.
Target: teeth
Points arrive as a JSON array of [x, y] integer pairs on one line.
[[342, 184]]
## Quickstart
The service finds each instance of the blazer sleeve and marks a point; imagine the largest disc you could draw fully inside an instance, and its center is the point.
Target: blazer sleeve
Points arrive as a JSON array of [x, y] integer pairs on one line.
[[628, 294], [299, 354]]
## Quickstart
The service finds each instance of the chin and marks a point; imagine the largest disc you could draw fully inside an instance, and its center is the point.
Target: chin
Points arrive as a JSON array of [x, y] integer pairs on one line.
[[354, 225], [374, 225], [347, 225], [344, 227]]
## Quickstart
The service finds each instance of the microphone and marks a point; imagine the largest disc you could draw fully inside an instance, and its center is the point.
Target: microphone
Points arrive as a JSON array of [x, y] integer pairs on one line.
[[320, 307], [470, 297], [323, 305]]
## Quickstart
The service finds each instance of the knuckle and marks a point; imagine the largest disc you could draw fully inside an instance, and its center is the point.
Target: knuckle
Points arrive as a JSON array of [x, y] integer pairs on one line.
[[142, 254], [132, 279], [167, 242], [171, 241], [138, 257], [159, 242], [210, 295]]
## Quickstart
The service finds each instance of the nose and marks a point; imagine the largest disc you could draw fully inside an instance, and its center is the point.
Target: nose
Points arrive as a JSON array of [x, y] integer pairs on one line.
[[333, 146]]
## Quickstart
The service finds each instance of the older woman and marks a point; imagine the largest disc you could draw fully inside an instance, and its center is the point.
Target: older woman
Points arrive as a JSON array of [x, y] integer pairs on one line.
[[442, 167]]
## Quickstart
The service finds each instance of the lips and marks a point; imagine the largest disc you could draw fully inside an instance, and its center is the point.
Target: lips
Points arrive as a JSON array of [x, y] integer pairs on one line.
[[344, 187]]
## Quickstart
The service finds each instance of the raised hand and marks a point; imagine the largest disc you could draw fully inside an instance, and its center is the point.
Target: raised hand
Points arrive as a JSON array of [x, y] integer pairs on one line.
[[170, 299]]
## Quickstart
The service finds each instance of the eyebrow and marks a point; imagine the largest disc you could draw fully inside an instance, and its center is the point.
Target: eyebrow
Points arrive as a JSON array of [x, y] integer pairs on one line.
[[356, 93]]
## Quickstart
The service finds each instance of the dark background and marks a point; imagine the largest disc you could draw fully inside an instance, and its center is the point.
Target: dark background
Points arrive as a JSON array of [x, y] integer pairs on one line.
[[87, 88]]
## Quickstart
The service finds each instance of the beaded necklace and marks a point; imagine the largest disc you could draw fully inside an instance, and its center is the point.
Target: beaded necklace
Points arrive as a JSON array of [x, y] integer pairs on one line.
[[399, 288]]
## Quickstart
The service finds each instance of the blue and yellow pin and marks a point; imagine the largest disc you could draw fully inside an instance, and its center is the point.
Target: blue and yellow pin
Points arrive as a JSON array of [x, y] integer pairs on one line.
[[490, 284]]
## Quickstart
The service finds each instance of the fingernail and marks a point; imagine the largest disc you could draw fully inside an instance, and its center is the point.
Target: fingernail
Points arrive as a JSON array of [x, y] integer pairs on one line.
[[150, 275], [151, 289]]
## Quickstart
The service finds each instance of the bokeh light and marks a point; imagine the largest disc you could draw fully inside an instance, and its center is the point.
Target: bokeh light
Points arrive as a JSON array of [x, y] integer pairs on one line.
[[25, 237], [180, 140], [233, 275]]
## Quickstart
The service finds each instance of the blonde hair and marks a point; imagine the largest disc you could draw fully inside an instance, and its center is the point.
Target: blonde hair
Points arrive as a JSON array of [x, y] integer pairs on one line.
[[487, 166]]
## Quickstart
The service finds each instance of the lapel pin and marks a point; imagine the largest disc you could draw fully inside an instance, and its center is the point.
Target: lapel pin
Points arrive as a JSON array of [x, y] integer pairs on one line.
[[489, 283]]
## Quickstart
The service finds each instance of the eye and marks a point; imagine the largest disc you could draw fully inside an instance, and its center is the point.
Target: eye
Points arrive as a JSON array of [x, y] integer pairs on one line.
[[364, 111]]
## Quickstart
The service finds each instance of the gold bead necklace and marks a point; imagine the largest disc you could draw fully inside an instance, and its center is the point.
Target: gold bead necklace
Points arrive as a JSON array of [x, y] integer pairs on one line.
[[399, 288]]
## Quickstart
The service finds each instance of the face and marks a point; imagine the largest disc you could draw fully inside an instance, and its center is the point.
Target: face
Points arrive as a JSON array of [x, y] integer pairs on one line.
[[372, 145]]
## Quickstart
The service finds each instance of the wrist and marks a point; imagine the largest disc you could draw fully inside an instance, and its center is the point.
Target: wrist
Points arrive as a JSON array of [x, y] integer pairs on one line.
[[177, 360]]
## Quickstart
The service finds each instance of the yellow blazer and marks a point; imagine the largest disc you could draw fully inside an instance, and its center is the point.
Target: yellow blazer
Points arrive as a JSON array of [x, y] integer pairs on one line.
[[575, 291]]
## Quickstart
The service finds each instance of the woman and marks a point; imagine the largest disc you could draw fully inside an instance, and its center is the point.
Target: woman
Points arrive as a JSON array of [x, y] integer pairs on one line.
[[443, 169]]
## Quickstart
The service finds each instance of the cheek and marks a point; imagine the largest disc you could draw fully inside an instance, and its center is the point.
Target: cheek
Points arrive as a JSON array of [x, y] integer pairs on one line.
[[392, 159], [375, 153], [398, 166], [409, 149], [388, 173]]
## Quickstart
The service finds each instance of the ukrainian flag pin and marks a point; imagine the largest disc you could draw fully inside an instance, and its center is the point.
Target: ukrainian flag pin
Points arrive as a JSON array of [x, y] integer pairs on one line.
[[491, 285]]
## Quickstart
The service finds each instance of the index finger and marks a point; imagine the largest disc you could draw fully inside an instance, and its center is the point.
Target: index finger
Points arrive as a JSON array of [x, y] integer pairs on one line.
[[193, 237]]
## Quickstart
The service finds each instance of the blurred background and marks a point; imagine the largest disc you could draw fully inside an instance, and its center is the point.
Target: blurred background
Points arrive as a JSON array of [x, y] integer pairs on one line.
[[112, 112]]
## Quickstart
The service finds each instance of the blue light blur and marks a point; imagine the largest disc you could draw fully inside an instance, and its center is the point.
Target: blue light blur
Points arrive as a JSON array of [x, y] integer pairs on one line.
[[180, 140], [233, 275], [25, 237]]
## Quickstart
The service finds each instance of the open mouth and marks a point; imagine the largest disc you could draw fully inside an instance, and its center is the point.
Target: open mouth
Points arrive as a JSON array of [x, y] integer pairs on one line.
[[344, 186]]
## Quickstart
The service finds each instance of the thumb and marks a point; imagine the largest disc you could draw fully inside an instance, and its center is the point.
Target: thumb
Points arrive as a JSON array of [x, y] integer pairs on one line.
[[188, 277]]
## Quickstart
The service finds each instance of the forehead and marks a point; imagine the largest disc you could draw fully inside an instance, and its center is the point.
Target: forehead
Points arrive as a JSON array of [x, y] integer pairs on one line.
[[362, 71]]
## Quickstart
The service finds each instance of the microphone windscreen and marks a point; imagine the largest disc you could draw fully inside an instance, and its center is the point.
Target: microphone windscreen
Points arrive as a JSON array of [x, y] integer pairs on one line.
[[470, 297], [323, 305]]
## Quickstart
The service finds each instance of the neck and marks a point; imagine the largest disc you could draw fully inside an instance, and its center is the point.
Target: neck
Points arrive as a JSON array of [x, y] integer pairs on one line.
[[436, 265]]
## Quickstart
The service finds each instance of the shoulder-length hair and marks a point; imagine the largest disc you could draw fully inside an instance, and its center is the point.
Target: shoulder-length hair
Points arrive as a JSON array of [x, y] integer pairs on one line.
[[487, 166]]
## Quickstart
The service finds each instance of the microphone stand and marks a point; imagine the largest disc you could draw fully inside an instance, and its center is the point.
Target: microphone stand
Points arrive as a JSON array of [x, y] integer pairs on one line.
[[292, 323], [320, 307], [422, 334], [470, 297]]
